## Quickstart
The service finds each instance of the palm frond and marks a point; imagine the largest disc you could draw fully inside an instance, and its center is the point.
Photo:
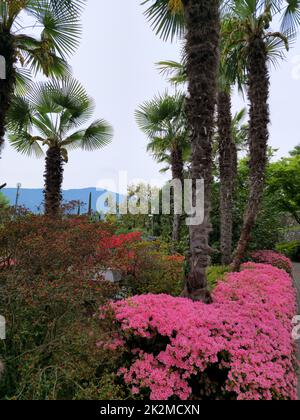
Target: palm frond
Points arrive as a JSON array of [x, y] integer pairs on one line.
[[290, 20], [23, 82], [163, 113], [23, 142], [72, 101], [60, 21], [174, 71], [20, 114], [52, 109], [38, 57], [166, 18], [98, 135]]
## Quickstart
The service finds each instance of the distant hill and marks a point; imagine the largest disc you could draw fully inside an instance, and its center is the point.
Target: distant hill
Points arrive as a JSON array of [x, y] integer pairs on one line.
[[32, 199]]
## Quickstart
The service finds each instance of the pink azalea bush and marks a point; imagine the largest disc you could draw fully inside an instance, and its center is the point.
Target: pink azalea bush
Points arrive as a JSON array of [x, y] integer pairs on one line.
[[240, 347], [272, 258]]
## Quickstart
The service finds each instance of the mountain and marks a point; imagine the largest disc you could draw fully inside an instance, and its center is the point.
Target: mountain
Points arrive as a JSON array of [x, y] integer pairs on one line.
[[32, 199]]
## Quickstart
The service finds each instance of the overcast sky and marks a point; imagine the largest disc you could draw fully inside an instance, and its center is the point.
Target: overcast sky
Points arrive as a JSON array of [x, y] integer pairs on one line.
[[115, 63]]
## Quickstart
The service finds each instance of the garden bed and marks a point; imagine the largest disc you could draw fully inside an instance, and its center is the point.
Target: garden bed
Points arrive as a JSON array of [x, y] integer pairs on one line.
[[240, 347]]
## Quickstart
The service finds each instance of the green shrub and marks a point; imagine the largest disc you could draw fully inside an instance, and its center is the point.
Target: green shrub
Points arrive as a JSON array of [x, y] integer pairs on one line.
[[48, 300], [49, 349], [290, 250], [152, 270], [215, 274]]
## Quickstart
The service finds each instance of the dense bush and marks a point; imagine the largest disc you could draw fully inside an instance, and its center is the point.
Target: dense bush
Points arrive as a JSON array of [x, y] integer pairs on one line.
[[240, 347], [290, 250], [153, 271], [272, 258], [39, 245], [49, 296], [48, 352]]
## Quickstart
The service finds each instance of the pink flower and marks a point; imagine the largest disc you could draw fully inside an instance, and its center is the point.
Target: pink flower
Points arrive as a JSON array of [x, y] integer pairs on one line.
[[272, 258], [247, 331]]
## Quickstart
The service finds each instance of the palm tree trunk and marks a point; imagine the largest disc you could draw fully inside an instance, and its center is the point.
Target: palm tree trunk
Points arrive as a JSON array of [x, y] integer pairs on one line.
[[7, 51], [53, 182], [203, 32], [177, 173], [258, 94], [227, 163]]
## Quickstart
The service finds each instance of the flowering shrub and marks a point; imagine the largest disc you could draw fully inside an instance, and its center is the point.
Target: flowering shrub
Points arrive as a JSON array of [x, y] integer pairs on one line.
[[48, 299], [118, 241], [272, 258], [39, 245], [240, 347], [152, 271], [118, 250]]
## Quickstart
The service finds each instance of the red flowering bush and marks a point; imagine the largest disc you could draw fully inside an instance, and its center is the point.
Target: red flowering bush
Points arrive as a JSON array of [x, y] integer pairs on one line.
[[49, 297], [118, 241], [118, 250], [240, 347], [272, 258], [144, 265], [39, 245]]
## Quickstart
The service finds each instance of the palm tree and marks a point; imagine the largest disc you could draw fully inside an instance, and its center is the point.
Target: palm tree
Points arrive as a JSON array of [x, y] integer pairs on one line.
[[163, 122], [231, 73], [202, 48], [58, 24], [52, 116], [247, 24], [200, 21], [227, 168]]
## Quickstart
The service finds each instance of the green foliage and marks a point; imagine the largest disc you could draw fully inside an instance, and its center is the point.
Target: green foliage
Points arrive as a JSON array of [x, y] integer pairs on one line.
[[48, 298], [56, 110], [295, 151], [266, 233], [163, 122], [284, 184], [153, 270], [243, 19], [216, 274], [58, 36], [3, 201], [290, 250], [166, 17]]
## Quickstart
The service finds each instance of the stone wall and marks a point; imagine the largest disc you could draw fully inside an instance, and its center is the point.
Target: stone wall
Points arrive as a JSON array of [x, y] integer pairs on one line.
[[290, 230]]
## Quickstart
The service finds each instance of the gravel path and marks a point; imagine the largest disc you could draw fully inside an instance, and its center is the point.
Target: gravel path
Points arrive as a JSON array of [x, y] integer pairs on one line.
[[297, 284]]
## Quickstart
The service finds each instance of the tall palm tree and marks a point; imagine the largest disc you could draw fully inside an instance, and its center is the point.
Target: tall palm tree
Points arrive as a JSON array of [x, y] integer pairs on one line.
[[52, 116], [202, 48], [162, 120], [57, 25], [227, 168], [231, 73], [200, 21], [248, 27]]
